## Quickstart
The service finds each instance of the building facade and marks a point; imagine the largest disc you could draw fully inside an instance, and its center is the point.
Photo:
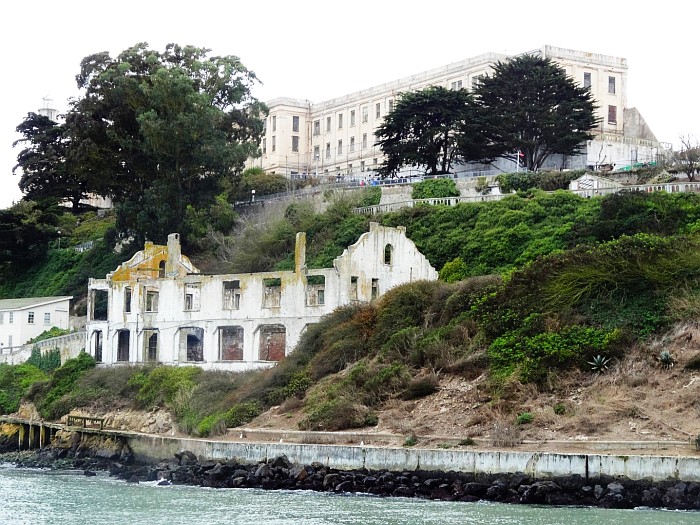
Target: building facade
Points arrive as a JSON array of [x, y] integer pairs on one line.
[[158, 308], [336, 137], [24, 319]]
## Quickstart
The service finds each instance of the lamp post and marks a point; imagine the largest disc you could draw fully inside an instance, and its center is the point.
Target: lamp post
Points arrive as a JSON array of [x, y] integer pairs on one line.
[[59, 239], [252, 196]]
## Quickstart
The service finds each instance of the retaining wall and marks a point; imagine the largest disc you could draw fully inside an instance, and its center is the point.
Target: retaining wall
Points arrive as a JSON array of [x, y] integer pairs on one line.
[[536, 464]]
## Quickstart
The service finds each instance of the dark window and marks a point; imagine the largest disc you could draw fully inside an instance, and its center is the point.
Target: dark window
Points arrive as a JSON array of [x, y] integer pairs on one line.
[[375, 288], [127, 299], [123, 345], [612, 114], [231, 343], [611, 85], [232, 295], [387, 254], [295, 124], [272, 342], [97, 339], [586, 80]]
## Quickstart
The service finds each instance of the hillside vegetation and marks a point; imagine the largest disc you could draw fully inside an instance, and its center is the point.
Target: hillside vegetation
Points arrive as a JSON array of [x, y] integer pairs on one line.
[[541, 294]]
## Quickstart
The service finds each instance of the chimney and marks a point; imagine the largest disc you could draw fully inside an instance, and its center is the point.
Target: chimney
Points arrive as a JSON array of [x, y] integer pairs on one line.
[[300, 253], [174, 252]]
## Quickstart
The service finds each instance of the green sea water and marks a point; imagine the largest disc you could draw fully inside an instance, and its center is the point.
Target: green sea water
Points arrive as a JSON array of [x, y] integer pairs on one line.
[[66, 498]]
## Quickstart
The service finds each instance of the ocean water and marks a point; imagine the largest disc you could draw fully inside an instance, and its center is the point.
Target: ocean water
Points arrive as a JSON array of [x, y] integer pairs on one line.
[[34, 496]]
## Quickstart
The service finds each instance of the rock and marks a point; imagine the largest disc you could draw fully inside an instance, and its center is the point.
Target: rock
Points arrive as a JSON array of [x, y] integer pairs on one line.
[[282, 462], [263, 471], [615, 488], [330, 481], [186, 457], [345, 486], [90, 473]]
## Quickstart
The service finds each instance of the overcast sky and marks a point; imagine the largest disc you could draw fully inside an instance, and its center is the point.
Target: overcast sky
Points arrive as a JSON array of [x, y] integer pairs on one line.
[[318, 50]]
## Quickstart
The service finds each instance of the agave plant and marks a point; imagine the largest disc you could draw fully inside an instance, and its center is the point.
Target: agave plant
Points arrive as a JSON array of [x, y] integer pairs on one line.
[[666, 359], [599, 364]]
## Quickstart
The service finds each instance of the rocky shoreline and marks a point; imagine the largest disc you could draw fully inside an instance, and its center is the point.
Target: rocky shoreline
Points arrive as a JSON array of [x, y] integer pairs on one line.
[[280, 474]]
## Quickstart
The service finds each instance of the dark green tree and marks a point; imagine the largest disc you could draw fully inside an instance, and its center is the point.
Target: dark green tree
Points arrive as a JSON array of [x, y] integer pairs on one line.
[[424, 129], [25, 230], [53, 163], [530, 105], [172, 126]]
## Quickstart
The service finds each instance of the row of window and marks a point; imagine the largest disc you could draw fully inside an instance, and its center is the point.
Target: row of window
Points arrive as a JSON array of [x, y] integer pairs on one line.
[[339, 149], [611, 82], [295, 123], [271, 347], [30, 318], [340, 117], [272, 294]]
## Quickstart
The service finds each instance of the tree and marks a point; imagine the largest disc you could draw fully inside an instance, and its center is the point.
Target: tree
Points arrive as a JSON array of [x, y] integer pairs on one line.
[[531, 106], [688, 158], [171, 127], [25, 230], [424, 129], [53, 162]]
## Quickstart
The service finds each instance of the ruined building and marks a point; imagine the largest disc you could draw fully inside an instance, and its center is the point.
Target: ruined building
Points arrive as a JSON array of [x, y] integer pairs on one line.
[[157, 307]]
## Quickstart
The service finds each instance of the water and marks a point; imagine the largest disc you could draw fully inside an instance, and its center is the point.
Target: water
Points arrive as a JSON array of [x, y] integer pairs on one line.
[[31, 497]]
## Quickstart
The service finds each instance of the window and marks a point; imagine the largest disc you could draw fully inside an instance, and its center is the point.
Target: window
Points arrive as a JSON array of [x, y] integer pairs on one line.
[[123, 345], [378, 110], [340, 121], [362, 165], [328, 124], [388, 249], [295, 124], [47, 319], [611, 85], [352, 144], [476, 81], [328, 150], [99, 310], [364, 140], [391, 105], [456, 85], [317, 127], [352, 117], [231, 343], [264, 146], [191, 344], [612, 114], [317, 152], [340, 147], [315, 290], [11, 317], [161, 270], [274, 143], [295, 143], [151, 345], [232, 295], [272, 292], [375, 288], [151, 301], [365, 112], [127, 299], [274, 124], [273, 342], [353, 288], [192, 296], [586, 80], [97, 346], [2, 317], [374, 162], [30, 317]]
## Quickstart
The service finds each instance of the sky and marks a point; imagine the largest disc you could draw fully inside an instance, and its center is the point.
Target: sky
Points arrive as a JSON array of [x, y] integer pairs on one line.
[[318, 50]]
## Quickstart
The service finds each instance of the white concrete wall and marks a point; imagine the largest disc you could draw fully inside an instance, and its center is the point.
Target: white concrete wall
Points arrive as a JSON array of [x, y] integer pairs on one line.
[[536, 464]]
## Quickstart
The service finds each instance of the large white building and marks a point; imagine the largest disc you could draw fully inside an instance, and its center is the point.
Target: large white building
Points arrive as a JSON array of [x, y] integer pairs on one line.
[[24, 319], [158, 308], [336, 137]]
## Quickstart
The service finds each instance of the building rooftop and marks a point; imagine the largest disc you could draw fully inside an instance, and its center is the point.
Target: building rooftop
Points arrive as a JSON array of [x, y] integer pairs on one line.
[[28, 302]]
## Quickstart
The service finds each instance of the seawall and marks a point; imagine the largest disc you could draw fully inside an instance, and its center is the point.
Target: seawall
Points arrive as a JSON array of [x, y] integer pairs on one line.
[[538, 465]]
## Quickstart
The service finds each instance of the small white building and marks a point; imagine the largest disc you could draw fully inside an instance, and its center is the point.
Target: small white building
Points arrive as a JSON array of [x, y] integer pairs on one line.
[[24, 319], [158, 308]]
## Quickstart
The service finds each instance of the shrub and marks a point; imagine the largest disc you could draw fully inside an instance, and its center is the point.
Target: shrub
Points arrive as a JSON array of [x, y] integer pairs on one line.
[[54, 331], [454, 271], [559, 409], [212, 425], [162, 383], [524, 418], [370, 196], [421, 387], [47, 361], [15, 382], [435, 188], [466, 442], [410, 441], [666, 360], [50, 404], [242, 413]]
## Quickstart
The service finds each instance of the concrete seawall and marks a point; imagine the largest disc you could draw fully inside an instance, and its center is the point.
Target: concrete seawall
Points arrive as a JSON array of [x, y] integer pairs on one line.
[[536, 464]]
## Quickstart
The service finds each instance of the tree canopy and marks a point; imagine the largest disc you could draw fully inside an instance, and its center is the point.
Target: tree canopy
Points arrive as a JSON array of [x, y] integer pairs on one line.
[[423, 130], [162, 133], [530, 105]]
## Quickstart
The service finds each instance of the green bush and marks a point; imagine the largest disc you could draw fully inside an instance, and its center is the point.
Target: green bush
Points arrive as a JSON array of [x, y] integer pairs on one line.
[[15, 381], [212, 425], [47, 361], [54, 331], [524, 418], [420, 387], [163, 383], [242, 413], [435, 188], [50, 400], [370, 196], [454, 270]]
